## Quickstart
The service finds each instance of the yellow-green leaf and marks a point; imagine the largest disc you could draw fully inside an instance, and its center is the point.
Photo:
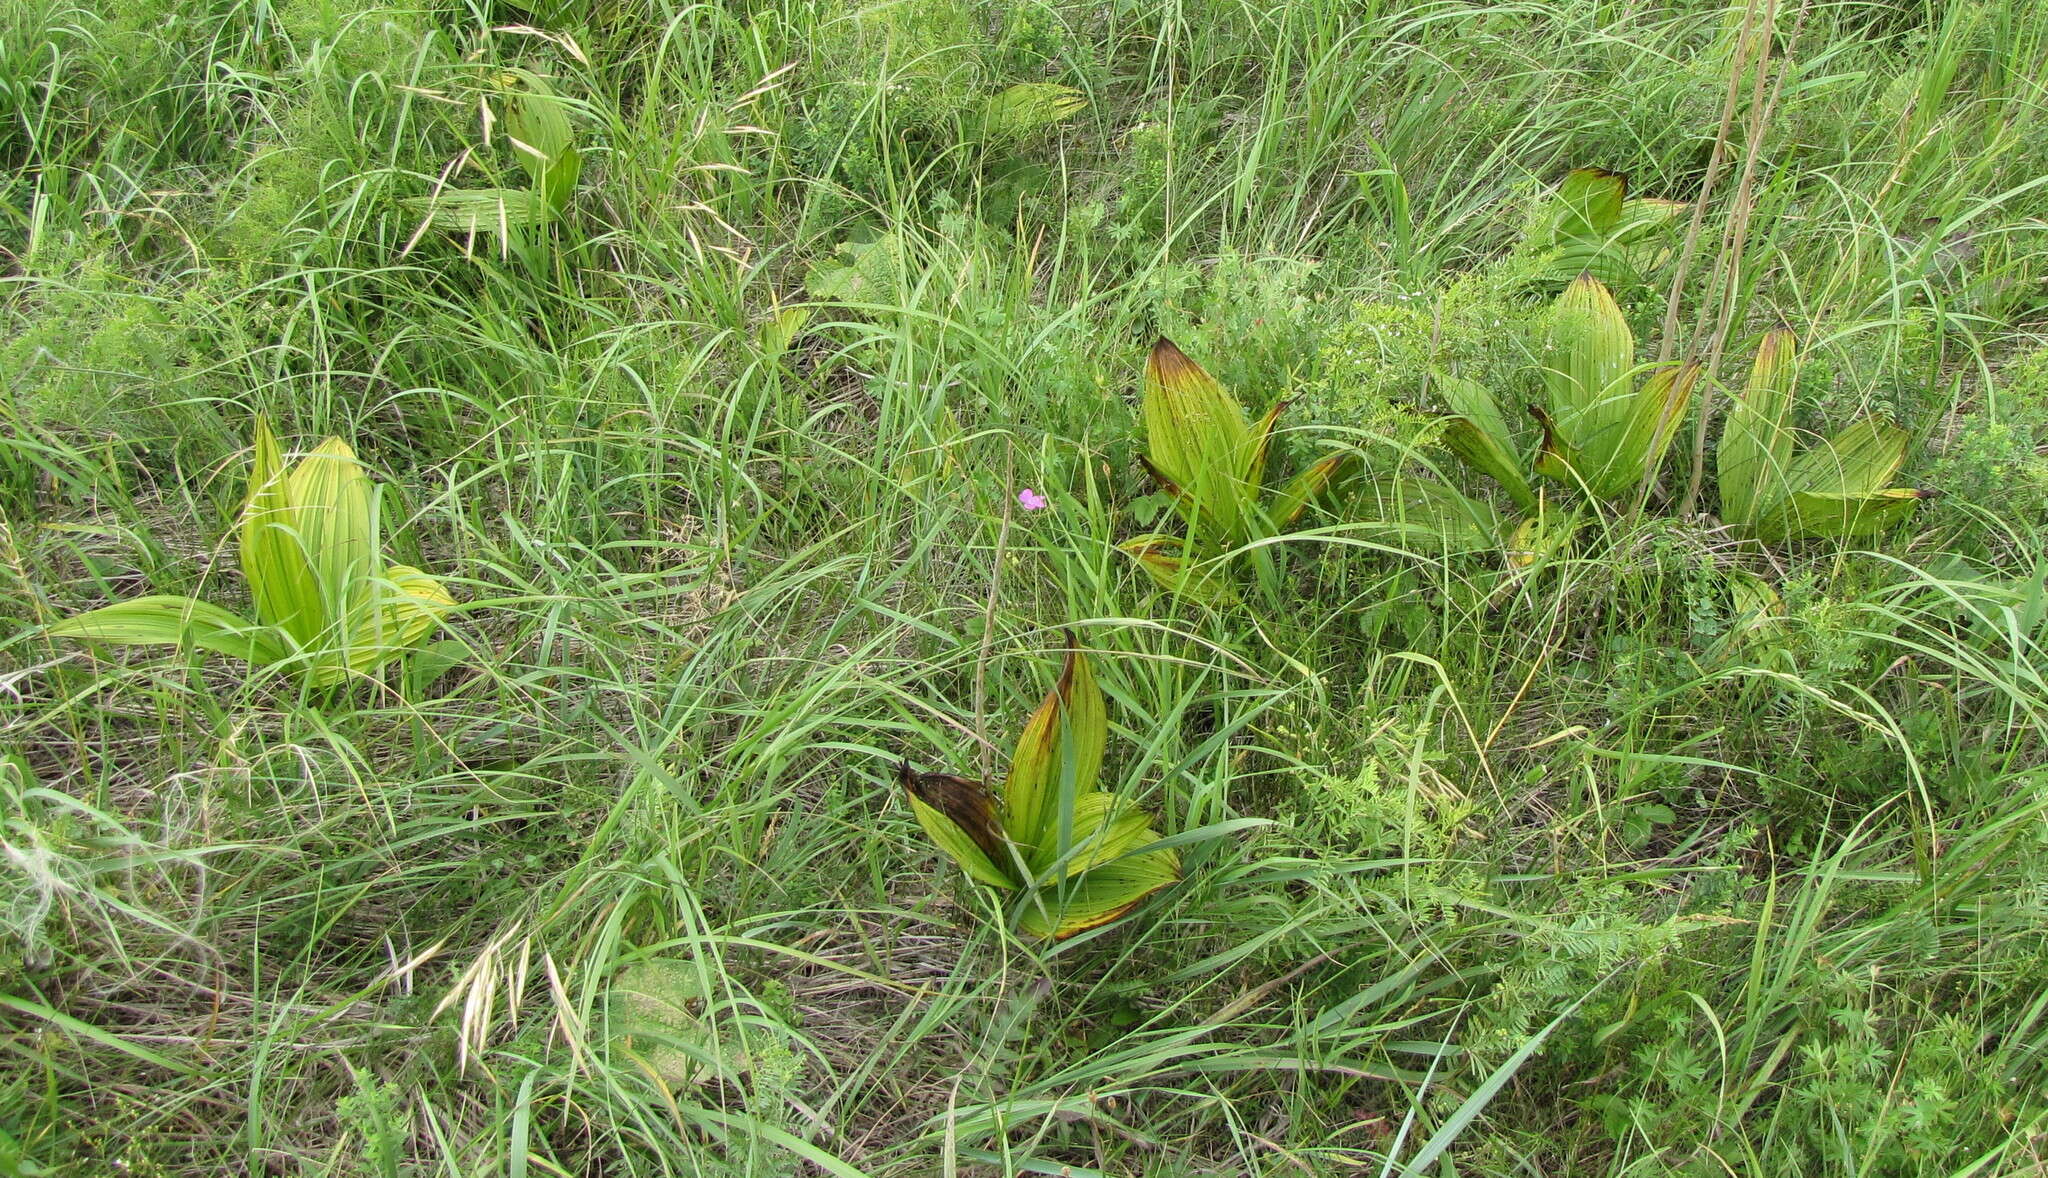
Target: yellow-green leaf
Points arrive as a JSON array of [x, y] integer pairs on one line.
[[1556, 459], [1859, 460], [1105, 827], [537, 122], [1655, 413], [409, 604], [1838, 515], [281, 582], [333, 514], [1754, 458], [1023, 110], [1426, 516], [174, 621], [1589, 204], [1099, 896], [1476, 431], [780, 329], [1262, 444], [1756, 613], [494, 211], [1643, 217], [1588, 354], [1303, 489], [958, 846], [1539, 538], [1059, 754], [1166, 560], [1198, 440]]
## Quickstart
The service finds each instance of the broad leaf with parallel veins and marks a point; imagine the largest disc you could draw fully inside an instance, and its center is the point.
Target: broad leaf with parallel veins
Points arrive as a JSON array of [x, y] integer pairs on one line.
[[1835, 490], [1075, 851]]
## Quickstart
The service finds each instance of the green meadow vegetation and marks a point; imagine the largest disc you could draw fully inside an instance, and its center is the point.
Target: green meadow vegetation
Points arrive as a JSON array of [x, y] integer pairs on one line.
[[1013, 587]]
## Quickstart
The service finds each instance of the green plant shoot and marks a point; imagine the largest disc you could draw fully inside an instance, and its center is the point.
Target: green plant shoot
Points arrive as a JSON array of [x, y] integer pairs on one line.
[[1078, 852], [1210, 459], [1591, 225], [534, 123], [1598, 434], [1601, 434], [326, 605], [1831, 491]]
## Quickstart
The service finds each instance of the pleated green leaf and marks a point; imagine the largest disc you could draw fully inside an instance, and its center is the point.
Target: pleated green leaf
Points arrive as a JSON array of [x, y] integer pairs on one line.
[[1540, 537], [1308, 486], [536, 119], [1426, 516], [175, 621], [1589, 203], [281, 581], [1262, 444], [1019, 112], [1100, 895], [333, 512], [1476, 432], [1083, 848], [1059, 755], [1655, 412], [1588, 354], [407, 605], [1556, 459], [958, 846], [1838, 515], [309, 550], [487, 211], [1166, 560], [1199, 443], [1754, 459], [1859, 460], [1105, 827]]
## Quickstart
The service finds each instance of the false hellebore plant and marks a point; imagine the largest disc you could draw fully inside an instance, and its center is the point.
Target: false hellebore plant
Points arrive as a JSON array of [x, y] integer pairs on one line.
[[327, 607], [1830, 491], [1076, 851], [534, 120], [1602, 433], [1593, 226], [1206, 454]]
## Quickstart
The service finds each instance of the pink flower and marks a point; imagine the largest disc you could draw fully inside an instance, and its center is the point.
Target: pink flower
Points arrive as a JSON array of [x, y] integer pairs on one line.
[[1032, 500]]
